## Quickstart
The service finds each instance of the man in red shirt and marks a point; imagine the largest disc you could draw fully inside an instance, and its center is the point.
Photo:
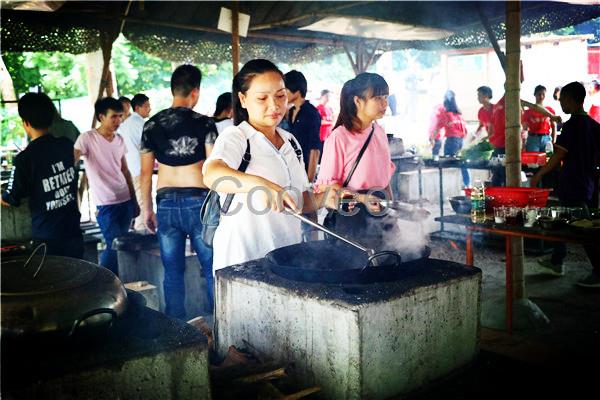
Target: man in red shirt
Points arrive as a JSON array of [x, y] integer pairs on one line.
[[594, 111], [540, 129], [486, 112], [498, 136], [326, 115]]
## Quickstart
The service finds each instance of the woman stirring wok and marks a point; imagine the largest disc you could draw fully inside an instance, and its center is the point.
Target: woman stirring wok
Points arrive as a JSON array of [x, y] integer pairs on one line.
[[274, 179], [356, 155]]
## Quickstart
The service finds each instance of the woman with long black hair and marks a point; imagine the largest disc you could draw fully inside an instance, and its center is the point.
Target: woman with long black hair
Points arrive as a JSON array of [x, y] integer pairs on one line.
[[449, 120], [356, 156], [274, 178]]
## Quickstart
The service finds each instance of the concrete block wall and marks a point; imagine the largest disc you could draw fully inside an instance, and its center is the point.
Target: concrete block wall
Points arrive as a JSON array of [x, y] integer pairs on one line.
[[363, 350], [406, 184], [16, 222], [177, 374], [146, 265], [406, 188], [415, 339]]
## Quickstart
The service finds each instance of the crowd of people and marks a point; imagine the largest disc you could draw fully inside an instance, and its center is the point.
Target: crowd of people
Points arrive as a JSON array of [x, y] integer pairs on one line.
[[541, 124], [295, 159]]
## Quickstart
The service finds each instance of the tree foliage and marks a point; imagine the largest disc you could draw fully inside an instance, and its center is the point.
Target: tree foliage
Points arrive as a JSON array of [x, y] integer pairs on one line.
[[137, 71], [60, 75]]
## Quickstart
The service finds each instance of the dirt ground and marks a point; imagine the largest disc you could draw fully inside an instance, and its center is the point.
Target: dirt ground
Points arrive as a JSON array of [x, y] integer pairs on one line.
[[555, 359]]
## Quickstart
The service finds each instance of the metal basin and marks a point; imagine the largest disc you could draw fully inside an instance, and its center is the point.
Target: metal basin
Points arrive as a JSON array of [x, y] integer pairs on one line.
[[58, 296]]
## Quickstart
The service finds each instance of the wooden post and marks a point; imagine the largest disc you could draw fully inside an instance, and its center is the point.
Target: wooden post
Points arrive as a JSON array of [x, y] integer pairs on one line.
[[352, 61], [513, 127], [107, 39], [362, 57], [235, 37], [488, 29]]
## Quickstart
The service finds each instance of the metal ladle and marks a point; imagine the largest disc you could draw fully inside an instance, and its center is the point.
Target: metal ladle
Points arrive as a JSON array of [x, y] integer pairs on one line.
[[302, 218], [372, 254]]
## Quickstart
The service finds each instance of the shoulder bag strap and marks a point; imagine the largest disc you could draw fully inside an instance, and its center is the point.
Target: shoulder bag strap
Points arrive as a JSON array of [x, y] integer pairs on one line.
[[242, 168], [360, 154], [296, 149]]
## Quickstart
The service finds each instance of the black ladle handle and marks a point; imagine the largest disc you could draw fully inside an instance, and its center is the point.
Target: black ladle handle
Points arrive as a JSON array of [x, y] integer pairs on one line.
[[372, 260], [86, 315], [302, 218]]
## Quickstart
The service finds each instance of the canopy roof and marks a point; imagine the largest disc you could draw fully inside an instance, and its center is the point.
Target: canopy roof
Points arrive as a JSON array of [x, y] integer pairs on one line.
[[187, 31]]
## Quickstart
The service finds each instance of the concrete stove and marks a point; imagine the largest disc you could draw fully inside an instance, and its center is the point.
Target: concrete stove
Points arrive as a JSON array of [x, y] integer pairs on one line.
[[361, 341], [144, 355]]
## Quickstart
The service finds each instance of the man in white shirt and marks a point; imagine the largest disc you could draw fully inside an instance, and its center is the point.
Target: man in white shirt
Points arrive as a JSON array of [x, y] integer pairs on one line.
[[131, 131]]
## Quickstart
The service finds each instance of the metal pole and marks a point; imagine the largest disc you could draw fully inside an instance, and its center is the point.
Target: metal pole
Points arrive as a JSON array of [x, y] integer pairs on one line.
[[441, 196]]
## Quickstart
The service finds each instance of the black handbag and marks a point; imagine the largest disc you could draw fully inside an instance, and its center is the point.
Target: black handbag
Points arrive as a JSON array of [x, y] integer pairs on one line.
[[210, 213], [330, 218]]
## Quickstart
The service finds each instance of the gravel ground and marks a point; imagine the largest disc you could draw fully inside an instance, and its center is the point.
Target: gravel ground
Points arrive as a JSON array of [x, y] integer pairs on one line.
[[555, 359]]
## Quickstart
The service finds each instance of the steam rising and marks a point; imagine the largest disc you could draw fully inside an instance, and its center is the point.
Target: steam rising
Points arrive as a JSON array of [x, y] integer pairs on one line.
[[408, 238]]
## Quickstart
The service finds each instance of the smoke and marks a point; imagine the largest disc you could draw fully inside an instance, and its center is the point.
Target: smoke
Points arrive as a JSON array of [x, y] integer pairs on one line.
[[408, 238]]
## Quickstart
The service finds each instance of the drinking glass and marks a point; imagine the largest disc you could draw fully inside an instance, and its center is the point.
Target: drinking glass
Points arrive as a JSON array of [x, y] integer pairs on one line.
[[530, 216], [555, 212], [576, 212], [499, 215], [544, 212], [514, 216]]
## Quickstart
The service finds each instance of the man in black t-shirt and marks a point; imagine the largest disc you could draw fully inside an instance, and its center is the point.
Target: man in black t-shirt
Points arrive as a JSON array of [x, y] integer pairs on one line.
[[578, 149], [45, 173], [304, 121], [180, 140]]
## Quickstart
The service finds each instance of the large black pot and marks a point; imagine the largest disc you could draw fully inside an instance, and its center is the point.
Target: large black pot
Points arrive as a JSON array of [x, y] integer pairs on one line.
[[58, 297], [332, 261]]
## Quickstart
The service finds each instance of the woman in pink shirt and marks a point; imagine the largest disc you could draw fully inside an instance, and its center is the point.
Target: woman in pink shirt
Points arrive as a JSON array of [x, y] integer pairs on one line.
[[363, 101]]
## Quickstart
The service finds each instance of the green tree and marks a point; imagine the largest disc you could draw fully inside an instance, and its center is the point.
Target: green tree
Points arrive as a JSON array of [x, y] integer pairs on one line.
[[60, 75], [137, 71]]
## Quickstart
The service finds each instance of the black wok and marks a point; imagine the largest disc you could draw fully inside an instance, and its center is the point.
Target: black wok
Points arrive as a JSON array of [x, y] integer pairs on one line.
[[332, 261]]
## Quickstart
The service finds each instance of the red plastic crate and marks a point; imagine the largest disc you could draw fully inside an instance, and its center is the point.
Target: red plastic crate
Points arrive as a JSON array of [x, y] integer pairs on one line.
[[533, 157], [515, 196]]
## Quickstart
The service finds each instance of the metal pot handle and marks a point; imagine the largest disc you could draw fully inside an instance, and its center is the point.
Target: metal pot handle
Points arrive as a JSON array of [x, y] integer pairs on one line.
[[91, 313], [373, 258], [41, 262]]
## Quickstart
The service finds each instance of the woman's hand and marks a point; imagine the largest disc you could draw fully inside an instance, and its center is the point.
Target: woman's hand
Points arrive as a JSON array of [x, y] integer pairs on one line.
[[150, 220], [332, 200], [277, 198], [535, 180], [373, 203], [350, 198]]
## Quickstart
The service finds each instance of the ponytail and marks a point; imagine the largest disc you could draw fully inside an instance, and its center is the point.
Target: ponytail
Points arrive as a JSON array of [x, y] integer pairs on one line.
[[364, 86]]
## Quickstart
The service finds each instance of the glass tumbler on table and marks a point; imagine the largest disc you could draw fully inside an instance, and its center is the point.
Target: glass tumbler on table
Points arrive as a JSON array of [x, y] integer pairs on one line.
[[530, 216], [499, 215], [514, 216]]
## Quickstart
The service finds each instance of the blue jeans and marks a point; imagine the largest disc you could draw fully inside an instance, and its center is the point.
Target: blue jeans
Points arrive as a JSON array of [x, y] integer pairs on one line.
[[178, 216], [536, 142], [437, 145], [114, 221], [452, 147], [498, 172]]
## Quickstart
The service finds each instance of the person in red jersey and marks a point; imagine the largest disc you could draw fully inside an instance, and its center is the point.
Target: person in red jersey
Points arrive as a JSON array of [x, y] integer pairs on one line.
[[540, 129]]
